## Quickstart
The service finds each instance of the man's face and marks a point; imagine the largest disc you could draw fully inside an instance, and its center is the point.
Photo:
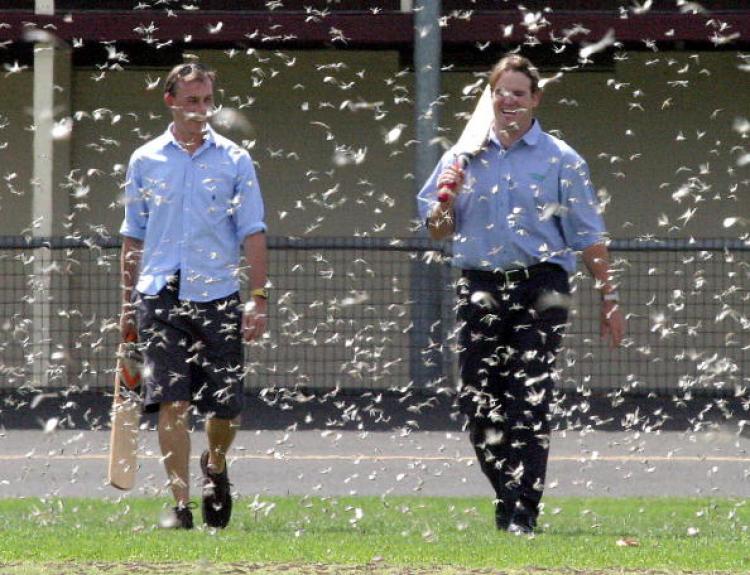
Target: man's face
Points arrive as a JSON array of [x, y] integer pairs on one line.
[[513, 102], [191, 104]]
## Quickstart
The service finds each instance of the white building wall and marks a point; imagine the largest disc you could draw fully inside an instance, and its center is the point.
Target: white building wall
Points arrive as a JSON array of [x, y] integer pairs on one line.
[[655, 124]]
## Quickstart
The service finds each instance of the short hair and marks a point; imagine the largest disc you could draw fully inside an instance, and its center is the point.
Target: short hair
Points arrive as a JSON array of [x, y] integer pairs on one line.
[[515, 63], [188, 72]]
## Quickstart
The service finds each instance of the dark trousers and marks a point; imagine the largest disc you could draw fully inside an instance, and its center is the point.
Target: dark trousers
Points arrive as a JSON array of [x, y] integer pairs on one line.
[[509, 336]]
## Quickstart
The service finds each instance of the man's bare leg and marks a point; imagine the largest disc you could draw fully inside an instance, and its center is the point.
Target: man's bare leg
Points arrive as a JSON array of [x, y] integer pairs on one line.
[[221, 433], [174, 440]]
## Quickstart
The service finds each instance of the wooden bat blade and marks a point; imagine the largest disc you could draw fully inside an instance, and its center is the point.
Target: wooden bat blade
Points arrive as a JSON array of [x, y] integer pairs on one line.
[[126, 415], [472, 139], [477, 129]]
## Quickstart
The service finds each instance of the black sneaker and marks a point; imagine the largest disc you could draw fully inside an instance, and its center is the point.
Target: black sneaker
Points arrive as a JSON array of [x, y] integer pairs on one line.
[[524, 521], [520, 529], [503, 515], [184, 517], [217, 495], [178, 517]]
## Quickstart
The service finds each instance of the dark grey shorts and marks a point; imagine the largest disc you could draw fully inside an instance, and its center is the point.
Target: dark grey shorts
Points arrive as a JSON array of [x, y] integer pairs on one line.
[[192, 351]]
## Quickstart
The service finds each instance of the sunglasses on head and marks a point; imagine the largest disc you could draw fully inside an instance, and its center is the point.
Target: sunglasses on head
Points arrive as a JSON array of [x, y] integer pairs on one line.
[[183, 72], [188, 69]]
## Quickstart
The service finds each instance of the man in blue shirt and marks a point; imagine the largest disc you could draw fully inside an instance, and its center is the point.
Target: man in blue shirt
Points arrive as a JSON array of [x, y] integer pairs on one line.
[[192, 202], [518, 214]]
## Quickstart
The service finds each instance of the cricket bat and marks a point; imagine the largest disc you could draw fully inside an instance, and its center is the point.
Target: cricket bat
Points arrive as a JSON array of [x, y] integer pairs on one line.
[[473, 137], [126, 415]]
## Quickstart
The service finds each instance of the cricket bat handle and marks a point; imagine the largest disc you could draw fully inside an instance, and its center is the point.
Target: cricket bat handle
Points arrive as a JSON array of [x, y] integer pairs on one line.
[[447, 192]]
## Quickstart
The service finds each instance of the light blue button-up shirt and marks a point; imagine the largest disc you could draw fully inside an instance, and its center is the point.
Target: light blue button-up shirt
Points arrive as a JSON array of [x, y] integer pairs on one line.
[[531, 203], [192, 214]]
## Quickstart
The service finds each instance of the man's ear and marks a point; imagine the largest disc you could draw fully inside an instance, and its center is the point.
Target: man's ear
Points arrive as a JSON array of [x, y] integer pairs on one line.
[[537, 97], [169, 100]]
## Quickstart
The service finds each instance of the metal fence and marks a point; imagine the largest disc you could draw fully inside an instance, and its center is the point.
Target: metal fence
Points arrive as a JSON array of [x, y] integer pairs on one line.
[[368, 314]]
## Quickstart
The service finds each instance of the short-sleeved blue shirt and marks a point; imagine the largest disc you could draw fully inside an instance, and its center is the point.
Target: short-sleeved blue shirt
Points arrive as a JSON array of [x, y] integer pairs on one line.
[[192, 214], [531, 203]]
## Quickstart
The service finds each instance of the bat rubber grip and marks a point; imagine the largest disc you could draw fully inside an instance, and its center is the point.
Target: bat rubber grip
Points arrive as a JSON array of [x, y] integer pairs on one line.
[[445, 195], [446, 192]]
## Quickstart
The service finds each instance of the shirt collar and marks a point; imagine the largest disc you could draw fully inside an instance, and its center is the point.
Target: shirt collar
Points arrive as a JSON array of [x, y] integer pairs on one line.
[[530, 138], [209, 138]]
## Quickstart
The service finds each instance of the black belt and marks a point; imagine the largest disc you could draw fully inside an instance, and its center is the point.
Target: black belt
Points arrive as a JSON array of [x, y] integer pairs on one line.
[[513, 275]]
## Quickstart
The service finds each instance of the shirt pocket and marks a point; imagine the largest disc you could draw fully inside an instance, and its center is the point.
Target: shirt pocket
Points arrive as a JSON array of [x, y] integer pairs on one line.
[[160, 185], [216, 195], [478, 205], [545, 187]]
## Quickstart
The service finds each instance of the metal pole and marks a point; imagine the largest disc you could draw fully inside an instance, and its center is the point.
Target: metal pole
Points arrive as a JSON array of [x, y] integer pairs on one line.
[[427, 335], [45, 209], [427, 62], [41, 210]]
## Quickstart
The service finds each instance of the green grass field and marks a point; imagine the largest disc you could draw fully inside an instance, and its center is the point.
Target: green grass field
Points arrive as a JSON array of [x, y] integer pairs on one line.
[[376, 536]]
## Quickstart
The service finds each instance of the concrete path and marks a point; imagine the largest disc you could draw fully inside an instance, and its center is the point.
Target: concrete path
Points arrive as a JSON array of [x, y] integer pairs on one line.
[[712, 462]]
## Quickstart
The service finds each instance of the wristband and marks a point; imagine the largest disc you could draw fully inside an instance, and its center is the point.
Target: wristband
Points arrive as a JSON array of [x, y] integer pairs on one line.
[[262, 293]]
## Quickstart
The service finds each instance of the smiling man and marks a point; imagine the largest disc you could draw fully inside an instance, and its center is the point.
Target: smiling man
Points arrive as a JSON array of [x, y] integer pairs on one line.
[[192, 203], [518, 215]]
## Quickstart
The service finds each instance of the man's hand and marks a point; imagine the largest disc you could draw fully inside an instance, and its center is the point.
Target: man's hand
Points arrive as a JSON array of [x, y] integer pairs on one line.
[[440, 221], [452, 178], [612, 323], [128, 328], [254, 318]]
